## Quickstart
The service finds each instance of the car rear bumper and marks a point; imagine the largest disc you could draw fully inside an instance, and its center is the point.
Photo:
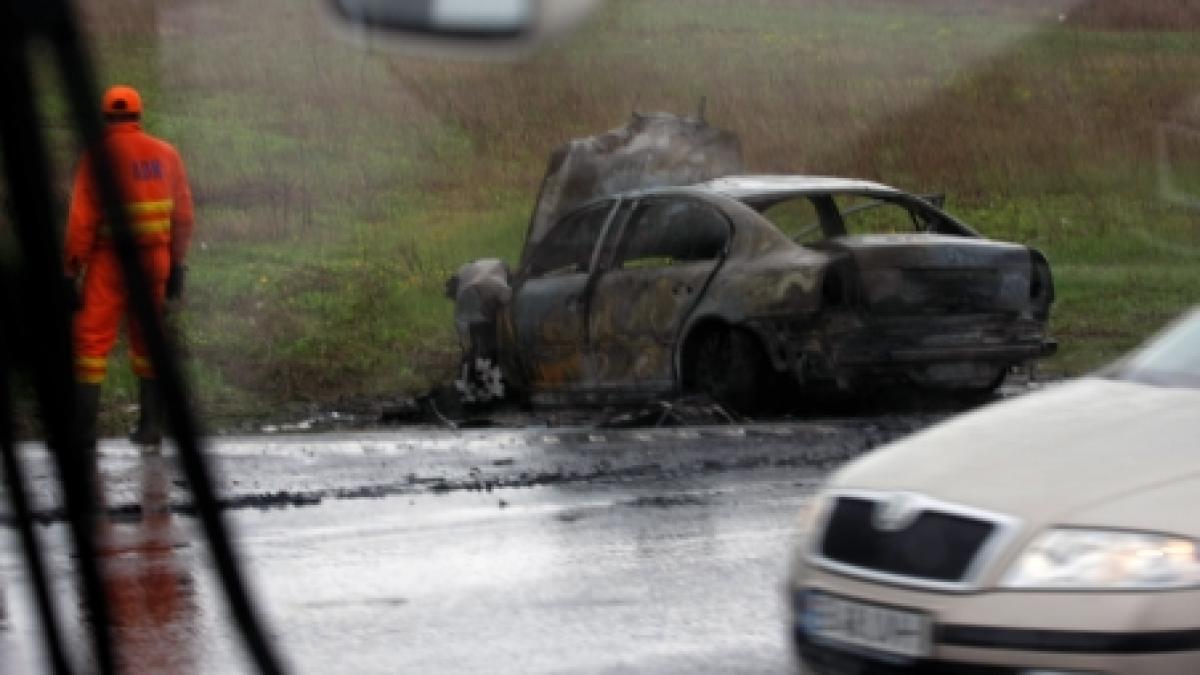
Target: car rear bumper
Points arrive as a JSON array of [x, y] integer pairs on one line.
[[1015, 631], [1013, 352], [858, 340], [947, 351]]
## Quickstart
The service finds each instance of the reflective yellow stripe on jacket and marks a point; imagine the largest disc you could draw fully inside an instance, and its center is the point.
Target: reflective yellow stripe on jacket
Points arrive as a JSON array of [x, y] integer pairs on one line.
[[151, 221], [91, 369], [160, 207]]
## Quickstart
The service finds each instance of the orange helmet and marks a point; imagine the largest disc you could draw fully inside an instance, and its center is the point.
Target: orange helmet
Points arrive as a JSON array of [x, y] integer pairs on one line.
[[122, 99]]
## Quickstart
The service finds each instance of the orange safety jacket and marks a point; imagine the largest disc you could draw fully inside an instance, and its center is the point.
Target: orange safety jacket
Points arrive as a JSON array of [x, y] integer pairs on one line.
[[152, 179], [154, 186]]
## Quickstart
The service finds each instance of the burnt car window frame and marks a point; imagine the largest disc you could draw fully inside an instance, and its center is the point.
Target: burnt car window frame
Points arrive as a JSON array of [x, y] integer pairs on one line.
[[810, 232], [832, 221], [615, 256], [608, 204], [940, 222], [848, 214]]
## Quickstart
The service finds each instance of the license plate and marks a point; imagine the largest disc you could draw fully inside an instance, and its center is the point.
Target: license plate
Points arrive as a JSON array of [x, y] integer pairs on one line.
[[899, 632]]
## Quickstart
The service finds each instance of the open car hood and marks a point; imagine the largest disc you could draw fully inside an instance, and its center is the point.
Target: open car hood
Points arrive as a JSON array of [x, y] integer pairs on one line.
[[652, 150]]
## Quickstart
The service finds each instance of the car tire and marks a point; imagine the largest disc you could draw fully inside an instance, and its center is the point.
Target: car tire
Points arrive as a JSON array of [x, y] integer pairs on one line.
[[728, 364]]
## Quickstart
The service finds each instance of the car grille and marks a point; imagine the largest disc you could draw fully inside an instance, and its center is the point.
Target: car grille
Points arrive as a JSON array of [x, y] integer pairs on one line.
[[935, 546]]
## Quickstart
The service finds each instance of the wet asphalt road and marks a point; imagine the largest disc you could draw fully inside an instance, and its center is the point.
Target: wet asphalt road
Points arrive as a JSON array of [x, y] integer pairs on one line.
[[518, 551]]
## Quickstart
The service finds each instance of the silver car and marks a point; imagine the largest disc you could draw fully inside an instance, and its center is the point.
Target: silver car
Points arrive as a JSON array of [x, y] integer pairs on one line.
[[1053, 533]]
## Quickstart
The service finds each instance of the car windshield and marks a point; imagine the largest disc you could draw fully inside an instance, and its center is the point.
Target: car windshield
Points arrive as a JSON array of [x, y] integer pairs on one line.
[[1171, 359]]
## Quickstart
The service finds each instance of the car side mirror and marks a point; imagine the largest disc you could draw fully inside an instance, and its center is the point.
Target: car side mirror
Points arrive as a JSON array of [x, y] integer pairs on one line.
[[471, 28]]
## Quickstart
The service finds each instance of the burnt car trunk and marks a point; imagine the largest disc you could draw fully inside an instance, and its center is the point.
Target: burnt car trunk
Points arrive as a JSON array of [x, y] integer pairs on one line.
[[935, 310], [930, 275]]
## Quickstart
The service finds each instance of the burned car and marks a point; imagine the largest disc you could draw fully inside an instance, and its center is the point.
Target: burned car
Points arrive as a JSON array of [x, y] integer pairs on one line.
[[693, 288], [733, 285]]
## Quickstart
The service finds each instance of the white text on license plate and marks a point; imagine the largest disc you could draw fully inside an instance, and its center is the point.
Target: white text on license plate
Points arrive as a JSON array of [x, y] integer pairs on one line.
[[861, 624]]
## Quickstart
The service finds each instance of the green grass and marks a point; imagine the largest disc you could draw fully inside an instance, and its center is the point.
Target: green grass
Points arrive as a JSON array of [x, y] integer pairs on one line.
[[1104, 310], [337, 188]]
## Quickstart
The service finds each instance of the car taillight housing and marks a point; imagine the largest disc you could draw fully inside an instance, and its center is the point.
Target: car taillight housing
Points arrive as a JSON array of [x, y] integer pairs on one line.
[[1041, 283]]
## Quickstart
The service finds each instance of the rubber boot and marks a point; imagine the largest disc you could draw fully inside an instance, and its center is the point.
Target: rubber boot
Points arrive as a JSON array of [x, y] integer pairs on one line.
[[149, 425], [88, 408]]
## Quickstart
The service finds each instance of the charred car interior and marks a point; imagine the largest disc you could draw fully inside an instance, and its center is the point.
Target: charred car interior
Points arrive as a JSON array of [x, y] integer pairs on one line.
[[691, 278]]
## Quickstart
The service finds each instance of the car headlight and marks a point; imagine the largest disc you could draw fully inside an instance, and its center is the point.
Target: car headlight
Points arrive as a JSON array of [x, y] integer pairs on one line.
[[1092, 559]]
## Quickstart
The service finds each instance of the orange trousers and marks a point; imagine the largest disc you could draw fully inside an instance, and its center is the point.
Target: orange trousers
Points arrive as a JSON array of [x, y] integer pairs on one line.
[[105, 304]]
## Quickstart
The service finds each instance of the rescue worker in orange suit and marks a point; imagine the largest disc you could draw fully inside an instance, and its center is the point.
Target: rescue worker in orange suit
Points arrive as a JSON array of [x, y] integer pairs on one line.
[[158, 200]]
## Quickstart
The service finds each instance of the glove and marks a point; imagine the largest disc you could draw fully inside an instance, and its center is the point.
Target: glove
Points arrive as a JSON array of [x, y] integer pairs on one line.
[[71, 291], [175, 282]]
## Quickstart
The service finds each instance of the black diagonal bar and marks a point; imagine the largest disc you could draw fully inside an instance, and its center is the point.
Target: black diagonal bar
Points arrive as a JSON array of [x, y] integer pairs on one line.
[[83, 96], [18, 496], [43, 314]]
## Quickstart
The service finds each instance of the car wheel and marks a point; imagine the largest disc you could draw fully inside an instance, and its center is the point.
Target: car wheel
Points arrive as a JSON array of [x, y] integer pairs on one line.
[[729, 365]]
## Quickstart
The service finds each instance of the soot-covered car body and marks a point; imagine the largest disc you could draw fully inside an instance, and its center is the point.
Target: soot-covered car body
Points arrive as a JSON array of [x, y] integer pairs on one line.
[[661, 290]]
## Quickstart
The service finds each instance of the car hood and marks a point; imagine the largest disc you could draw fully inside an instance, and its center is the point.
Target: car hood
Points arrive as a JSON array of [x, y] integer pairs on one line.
[[1047, 455], [1168, 507], [652, 150]]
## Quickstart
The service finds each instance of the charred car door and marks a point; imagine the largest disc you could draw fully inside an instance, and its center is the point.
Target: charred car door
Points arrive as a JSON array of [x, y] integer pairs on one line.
[[668, 250], [549, 305]]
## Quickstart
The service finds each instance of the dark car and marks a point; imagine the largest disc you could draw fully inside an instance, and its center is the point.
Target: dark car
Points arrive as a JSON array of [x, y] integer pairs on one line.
[[695, 289]]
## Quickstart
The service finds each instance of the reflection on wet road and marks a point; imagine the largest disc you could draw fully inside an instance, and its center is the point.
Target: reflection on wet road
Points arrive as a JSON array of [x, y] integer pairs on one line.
[[660, 556], [559, 580], [147, 566], [149, 583]]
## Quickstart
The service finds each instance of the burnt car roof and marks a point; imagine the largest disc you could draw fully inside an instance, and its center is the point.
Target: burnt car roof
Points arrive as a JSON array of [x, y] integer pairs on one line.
[[755, 187], [750, 187], [761, 191]]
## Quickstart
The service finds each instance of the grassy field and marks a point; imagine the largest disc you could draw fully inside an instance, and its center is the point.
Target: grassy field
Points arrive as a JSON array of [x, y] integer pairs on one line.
[[337, 188]]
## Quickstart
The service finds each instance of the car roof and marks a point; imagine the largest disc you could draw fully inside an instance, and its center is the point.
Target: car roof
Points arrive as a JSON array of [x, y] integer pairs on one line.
[[755, 187], [760, 191]]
